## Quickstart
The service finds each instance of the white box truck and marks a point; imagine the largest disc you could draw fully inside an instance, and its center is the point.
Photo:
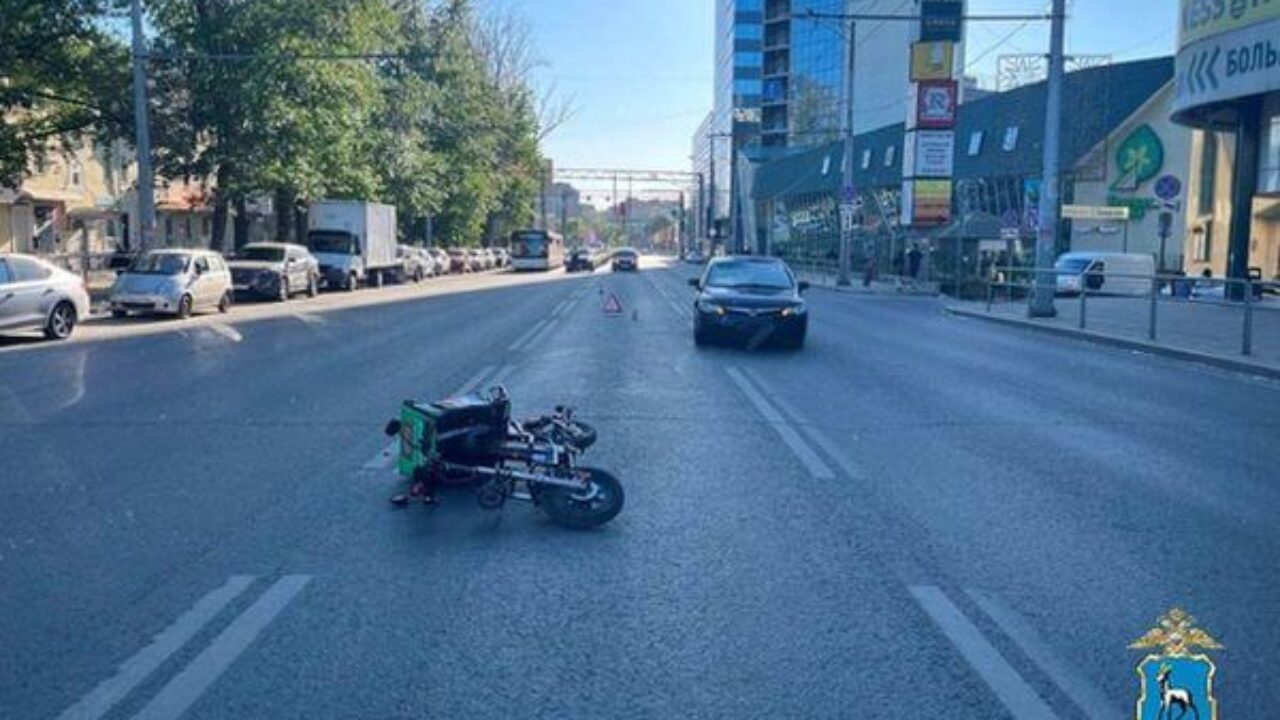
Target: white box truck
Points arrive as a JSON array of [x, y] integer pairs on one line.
[[355, 242]]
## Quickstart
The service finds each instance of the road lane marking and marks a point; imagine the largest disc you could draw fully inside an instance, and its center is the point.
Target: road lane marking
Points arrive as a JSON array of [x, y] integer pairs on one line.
[[139, 667], [226, 331], [817, 468], [474, 381], [187, 686], [542, 335], [819, 438], [564, 304], [1083, 693], [528, 335], [502, 376], [995, 671]]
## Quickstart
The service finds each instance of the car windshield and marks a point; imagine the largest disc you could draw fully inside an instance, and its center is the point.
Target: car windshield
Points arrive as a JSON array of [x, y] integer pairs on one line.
[[1072, 265], [261, 254], [748, 274], [530, 245], [337, 243], [160, 264]]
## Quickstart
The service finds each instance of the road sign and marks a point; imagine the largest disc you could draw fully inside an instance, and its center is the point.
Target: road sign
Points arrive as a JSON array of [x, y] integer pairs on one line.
[[940, 20], [936, 102], [932, 61], [1095, 212], [1168, 188]]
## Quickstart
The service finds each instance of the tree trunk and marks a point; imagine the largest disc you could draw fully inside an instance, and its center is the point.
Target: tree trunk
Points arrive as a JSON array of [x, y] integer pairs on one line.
[[300, 222], [220, 205], [241, 225], [285, 219]]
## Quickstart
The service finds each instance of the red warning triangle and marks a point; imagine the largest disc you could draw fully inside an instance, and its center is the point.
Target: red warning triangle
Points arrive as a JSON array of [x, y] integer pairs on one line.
[[612, 306]]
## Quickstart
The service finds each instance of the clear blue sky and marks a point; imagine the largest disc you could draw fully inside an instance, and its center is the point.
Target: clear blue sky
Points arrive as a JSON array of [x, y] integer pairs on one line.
[[640, 71]]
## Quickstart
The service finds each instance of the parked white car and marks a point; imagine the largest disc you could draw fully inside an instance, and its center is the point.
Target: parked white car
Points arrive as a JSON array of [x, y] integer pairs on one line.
[[173, 282], [1106, 273], [35, 295]]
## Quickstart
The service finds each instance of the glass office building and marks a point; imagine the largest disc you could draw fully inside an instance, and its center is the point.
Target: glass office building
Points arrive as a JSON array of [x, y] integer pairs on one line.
[[804, 58], [738, 78]]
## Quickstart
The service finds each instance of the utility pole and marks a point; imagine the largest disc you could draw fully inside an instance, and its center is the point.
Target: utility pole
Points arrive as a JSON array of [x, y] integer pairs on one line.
[[146, 177], [680, 225], [847, 191], [1047, 234]]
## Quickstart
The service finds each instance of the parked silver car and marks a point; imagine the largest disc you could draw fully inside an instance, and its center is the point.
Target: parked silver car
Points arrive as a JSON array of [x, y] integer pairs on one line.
[[35, 295], [416, 263], [274, 270], [173, 282]]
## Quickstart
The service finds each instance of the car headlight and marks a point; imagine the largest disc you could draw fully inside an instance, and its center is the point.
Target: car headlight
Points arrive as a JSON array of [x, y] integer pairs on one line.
[[710, 307], [797, 309]]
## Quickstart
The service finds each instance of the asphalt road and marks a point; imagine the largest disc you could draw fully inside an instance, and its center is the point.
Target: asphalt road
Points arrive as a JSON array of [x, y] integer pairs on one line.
[[915, 517]]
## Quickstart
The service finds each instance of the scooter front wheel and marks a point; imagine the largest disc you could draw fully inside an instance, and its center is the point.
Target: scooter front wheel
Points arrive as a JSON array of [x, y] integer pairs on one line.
[[597, 504]]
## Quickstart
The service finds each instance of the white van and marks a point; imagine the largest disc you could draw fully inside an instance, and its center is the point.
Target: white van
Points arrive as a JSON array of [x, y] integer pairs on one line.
[[1101, 272]]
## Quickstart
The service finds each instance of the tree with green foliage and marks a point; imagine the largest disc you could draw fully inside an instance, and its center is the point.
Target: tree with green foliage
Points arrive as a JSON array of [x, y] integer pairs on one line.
[[63, 77]]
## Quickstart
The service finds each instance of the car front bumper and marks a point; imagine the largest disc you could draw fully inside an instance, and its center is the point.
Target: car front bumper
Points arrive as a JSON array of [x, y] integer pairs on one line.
[[761, 325], [143, 303]]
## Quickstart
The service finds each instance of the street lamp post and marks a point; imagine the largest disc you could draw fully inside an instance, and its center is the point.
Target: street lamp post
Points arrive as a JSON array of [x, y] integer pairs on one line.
[[1047, 234], [146, 178], [848, 192]]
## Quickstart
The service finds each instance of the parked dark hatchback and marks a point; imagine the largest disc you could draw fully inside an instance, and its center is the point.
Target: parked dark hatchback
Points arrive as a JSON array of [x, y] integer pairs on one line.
[[751, 299]]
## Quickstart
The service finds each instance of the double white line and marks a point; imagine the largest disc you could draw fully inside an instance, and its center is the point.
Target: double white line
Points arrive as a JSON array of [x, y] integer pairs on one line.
[[680, 310], [192, 681], [1005, 682], [488, 375]]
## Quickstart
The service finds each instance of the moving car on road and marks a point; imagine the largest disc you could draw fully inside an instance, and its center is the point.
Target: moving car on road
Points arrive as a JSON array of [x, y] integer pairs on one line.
[[173, 282], [580, 260], [536, 250], [756, 299], [626, 259], [274, 270], [35, 295]]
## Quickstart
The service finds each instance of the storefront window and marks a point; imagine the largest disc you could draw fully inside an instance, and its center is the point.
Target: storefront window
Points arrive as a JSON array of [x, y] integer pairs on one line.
[[1208, 173], [1269, 167]]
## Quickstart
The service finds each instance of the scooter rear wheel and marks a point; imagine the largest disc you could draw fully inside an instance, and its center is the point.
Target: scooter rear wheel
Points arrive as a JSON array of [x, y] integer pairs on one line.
[[600, 503]]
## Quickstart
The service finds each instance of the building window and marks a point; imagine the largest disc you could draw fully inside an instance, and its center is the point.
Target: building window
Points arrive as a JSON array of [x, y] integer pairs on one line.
[[1204, 242], [889, 154], [975, 143], [1010, 138], [866, 158], [75, 174], [1269, 167], [1208, 173]]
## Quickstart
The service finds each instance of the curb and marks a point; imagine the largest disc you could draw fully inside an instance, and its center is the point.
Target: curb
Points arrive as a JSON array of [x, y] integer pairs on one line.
[[888, 292], [1218, 361]]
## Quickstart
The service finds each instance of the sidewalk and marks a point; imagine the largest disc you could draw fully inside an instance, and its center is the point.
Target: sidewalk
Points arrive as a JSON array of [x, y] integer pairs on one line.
[[883, 285], [1207, 332]]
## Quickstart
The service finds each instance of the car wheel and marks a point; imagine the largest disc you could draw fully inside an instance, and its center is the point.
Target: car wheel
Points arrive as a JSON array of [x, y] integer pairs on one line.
[[284, 289], [313, 286], [61, 321], [419, 276], [700, 337], [224, 304], [184, 307], [352, 283]]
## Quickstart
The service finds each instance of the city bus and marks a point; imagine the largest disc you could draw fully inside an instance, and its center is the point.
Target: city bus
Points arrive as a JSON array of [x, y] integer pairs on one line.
[[536, 250]]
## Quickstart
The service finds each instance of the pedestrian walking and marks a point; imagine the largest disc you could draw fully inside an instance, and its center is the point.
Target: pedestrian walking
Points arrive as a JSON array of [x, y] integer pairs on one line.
[[914, 256]]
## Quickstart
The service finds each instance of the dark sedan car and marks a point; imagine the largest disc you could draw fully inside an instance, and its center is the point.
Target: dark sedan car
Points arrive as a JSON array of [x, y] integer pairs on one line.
[[580, 260], [626, 259], [753, 299], [274, 270]]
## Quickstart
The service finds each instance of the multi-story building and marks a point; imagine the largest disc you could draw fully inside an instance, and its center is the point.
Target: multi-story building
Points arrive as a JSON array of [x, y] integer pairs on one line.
[[701, 157], [805, 56], [564, 203], [736, 121]]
